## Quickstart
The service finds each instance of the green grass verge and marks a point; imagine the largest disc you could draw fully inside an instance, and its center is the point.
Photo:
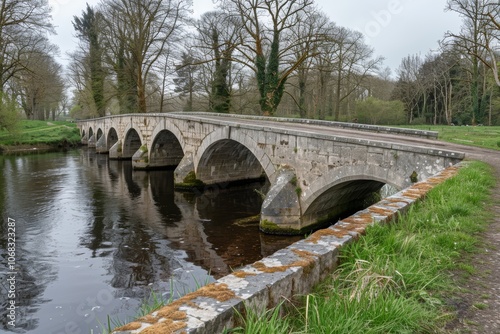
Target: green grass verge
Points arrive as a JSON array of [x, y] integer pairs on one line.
[[395, 279], [40, 132], [482, 136]]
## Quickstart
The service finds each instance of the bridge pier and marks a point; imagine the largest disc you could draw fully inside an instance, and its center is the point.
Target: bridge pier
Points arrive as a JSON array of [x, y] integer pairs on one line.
[[85, 138], [115, 152], [92, 141], [101, 146], [140, 159], [281, 211], [184, 174]]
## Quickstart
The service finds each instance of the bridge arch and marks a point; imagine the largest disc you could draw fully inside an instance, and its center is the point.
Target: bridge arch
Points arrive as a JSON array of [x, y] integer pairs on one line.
[[132, 142], [91, 132], [166, 149], [99, 134], [345, 188], [229, 154], [111, 138]]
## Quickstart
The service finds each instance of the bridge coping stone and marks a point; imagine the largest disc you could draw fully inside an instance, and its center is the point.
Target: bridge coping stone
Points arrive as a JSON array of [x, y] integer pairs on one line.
[[347, 125], [288, 272]]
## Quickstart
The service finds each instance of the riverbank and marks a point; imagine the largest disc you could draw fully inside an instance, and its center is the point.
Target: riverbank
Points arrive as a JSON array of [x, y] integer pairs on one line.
[[39, 136]]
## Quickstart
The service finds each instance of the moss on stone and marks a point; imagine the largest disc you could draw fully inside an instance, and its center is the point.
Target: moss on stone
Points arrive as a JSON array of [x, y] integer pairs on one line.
[[190, 182], [414, 177], [190, 177], [270, 227]]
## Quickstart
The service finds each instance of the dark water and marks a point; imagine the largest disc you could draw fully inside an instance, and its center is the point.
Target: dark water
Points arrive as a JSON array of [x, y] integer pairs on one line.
[[94, 238]]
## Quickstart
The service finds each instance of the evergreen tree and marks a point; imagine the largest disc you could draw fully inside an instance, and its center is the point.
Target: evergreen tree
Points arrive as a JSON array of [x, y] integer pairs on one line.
[[185, 83], [87, 27]]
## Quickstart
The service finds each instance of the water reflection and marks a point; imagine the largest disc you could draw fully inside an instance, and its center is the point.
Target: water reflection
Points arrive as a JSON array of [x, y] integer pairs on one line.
[[96, 238]]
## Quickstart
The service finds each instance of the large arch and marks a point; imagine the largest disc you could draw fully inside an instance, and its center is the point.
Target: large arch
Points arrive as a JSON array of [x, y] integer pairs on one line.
[[167, 147], [131, 144], [233, 150], [166, 150], [227, 161], [345, 188]]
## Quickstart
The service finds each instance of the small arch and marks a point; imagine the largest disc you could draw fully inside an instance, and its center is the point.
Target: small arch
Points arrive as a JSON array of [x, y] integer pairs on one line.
[[166, 150], [99, 134], [83, 133], [112, 138], [131, 144], [91, 132]]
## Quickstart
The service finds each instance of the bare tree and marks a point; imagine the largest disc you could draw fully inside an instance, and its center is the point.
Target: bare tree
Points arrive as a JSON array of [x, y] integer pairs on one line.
[[138, 32], [263, 45], [23, 28], [216, 40], [354, 62], [477, 39], [313, 32], [40, 86], [480, 35], [407, 88]]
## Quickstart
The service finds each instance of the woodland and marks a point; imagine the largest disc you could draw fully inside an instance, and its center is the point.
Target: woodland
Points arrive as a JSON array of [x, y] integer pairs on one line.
[[261, 57]]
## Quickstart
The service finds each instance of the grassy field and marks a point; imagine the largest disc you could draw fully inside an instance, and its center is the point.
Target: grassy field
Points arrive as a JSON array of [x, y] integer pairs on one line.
[[483, 136], [395, 279], [40, 132]]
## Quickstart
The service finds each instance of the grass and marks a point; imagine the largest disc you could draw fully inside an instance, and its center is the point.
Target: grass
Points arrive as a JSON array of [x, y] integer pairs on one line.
[[482, 136], [40, 132], [396, 279], [150, 304], [154, 302]]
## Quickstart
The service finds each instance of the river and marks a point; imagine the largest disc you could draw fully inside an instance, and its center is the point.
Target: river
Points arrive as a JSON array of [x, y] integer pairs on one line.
[[93, 239]]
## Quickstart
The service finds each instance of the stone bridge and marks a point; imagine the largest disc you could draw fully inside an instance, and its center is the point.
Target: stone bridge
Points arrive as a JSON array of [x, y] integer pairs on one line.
[[316, 169]]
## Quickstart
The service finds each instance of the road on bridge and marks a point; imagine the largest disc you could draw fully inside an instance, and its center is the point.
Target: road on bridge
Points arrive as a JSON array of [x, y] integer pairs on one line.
[[347, 133]]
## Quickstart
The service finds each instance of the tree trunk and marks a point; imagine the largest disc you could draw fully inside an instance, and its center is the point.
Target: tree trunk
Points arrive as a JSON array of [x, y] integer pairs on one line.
[[141, 93]]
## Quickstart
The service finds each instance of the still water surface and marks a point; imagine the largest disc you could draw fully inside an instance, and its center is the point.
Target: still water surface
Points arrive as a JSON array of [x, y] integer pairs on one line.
[[94, 238]]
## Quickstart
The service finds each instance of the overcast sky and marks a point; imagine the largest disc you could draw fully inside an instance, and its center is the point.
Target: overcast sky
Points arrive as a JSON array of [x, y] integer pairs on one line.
[[394, 28]]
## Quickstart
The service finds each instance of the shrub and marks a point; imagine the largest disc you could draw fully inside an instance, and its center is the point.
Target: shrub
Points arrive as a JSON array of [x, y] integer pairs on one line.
[[375, 111], [9, 115]]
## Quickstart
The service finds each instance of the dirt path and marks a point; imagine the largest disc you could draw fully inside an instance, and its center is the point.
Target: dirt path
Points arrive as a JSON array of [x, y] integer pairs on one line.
[[478, 306]]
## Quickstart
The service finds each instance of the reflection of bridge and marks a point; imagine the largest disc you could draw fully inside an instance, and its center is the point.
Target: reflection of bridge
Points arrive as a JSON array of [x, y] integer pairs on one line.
[[316, 169]]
